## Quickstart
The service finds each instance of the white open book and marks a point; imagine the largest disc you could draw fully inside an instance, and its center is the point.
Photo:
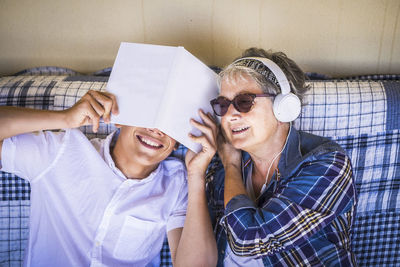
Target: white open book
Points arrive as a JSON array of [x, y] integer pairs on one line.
[[161, 87]]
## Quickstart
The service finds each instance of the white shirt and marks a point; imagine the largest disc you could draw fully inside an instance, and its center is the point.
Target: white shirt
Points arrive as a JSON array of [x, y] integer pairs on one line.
[[83, 209]]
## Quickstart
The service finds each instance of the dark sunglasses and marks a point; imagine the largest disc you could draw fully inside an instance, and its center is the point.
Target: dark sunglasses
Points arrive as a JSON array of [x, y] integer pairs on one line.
[[242, 103]]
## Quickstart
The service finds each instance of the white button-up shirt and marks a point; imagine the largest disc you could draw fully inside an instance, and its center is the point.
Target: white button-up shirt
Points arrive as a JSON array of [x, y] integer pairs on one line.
[[84, 212]]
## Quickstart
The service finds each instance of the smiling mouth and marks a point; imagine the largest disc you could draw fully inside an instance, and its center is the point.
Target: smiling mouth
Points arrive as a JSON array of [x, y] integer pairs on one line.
[[239, 130], [148, 143]]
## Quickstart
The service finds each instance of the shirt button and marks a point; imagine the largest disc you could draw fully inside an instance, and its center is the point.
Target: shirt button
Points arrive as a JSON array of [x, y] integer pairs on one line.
[[97, 243]]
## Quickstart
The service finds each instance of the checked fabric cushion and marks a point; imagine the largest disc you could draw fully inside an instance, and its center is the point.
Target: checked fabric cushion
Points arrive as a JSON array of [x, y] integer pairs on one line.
[[361, 115]]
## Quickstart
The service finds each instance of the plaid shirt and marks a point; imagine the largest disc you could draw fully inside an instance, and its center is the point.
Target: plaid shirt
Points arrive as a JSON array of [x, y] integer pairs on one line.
[[304, 217]]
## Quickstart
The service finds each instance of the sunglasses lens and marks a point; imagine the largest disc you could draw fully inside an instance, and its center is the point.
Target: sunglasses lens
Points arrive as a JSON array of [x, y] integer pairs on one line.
[[243, 103], [220, 105]]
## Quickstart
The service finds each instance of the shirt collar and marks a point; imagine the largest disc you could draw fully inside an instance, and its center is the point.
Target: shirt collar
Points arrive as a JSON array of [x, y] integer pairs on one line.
[[290, 154], [108, 144]]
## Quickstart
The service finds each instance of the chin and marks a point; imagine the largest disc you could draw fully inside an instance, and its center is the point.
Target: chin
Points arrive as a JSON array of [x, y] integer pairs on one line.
[[149, 159], [244, 145], [239, 144]]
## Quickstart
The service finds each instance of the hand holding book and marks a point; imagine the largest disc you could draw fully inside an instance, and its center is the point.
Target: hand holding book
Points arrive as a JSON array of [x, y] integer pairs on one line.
[[161, 87]]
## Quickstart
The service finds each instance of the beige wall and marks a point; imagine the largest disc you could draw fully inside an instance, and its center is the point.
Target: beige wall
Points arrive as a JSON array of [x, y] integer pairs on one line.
[[336, 37]]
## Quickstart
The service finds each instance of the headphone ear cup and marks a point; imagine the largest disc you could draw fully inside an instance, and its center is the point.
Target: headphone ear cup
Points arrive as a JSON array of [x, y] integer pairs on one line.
[[286, 107]]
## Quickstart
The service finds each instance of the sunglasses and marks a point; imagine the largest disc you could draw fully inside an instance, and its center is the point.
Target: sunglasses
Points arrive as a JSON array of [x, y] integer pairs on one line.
[[242, 103]]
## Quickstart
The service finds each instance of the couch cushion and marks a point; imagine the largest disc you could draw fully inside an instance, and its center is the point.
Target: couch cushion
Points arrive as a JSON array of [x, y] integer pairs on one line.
[[363, 116], [376, 239], [342, 108]]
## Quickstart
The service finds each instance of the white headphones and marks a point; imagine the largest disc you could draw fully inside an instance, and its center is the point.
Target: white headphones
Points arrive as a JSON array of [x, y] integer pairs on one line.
[[287, 106]]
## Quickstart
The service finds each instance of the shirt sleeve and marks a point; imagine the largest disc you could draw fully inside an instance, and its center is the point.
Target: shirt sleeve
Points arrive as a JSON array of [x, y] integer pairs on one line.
[[319, 191], [178, 215], [28, 155]]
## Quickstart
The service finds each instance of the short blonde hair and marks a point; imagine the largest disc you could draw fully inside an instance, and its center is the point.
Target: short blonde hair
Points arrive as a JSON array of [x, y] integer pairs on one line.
[[294, 74]]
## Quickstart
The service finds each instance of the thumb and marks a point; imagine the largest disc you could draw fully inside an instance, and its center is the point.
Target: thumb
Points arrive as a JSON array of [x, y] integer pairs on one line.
[[189, 156]]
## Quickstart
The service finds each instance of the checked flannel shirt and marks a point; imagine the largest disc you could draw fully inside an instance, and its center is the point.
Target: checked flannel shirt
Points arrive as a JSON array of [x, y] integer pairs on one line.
[[304, 217]]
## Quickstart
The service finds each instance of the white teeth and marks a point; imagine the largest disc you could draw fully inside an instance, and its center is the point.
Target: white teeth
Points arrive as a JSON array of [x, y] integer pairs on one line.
[[239, 129], [149, 142]]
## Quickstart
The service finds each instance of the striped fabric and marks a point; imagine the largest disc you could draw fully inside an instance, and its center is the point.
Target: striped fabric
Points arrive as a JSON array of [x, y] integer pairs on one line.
[[362, 116], [48, 70], [371, 111]]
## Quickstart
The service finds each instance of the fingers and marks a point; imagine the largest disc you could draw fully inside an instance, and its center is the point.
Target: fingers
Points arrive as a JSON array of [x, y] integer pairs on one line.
[[208, 119], [209, 128], [189, 156], [114, 107], [103, 103], [91, 107], [91, 116], [98, 108], [207, 147], [196, 164]]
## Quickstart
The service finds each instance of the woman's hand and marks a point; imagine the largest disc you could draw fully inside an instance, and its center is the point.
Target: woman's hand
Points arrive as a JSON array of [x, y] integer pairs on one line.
[[197, 164], [227, 153], [90, 108]]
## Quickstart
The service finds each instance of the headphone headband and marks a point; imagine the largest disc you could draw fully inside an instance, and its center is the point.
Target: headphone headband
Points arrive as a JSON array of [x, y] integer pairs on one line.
[[280, 77]]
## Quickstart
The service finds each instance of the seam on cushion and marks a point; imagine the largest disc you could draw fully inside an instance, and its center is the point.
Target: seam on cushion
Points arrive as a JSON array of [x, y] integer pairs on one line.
[[57, 157]]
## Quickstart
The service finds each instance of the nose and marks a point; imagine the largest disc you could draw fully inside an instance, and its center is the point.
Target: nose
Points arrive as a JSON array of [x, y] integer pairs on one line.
[[155, 131], [232, 113]]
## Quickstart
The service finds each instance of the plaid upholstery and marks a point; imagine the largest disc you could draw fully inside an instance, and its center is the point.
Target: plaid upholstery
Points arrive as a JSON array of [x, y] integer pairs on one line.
[[13, 188], [48, 70], [165, 255], [393, 98], [376, 168], [362, 116], [375, 77], [341, 108], [372, 77], [376, 231], [14, 230], [381, 241]]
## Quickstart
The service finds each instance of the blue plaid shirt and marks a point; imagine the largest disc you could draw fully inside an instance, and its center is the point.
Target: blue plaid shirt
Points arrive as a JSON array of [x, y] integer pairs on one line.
[[303, 218]]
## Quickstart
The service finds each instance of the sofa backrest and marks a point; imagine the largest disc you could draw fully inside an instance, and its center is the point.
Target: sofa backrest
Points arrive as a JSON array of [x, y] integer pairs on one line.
[[362, 116]]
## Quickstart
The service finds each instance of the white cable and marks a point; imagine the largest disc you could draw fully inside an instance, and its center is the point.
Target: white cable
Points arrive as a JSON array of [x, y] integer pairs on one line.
[[270, 165]]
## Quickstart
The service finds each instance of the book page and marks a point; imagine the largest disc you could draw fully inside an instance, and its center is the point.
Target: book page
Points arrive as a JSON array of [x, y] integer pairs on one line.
[[161, 87], [191, 86], [138, 79]]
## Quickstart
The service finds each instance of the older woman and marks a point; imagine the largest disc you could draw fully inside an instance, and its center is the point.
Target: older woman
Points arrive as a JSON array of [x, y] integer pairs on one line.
[[281, 197]]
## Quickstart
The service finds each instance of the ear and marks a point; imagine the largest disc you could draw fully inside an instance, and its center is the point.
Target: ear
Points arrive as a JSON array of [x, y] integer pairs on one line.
[[118, 125]]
